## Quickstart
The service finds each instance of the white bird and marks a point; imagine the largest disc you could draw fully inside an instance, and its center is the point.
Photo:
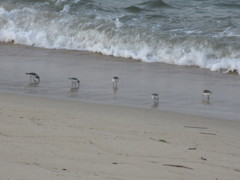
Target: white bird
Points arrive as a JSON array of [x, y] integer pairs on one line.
[[75, 82], [155, 98], [115, 80], [34, 78], [207, 93]]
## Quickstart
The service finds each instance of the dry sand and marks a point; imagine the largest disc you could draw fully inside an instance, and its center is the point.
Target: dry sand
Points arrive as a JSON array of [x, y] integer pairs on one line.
[[43, 138]]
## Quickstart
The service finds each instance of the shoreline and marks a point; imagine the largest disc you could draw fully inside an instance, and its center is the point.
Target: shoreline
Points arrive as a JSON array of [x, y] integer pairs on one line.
[[11, 97], [44, 138], [152, 107], [179, 88]]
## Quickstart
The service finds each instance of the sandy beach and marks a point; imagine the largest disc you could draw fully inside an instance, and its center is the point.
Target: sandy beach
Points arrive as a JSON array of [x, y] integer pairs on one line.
[[50, 132], [174, 113], [44, 138]]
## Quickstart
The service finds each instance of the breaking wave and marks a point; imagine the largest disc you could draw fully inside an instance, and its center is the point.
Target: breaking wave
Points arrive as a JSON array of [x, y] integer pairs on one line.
[[125, 30]]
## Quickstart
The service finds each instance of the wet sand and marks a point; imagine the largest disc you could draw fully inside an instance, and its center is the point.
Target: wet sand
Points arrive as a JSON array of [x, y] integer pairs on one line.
[[179, 87], [44, 138]]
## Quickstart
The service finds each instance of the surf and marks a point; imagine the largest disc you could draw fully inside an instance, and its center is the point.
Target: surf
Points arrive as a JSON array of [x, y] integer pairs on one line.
[[128, 30]]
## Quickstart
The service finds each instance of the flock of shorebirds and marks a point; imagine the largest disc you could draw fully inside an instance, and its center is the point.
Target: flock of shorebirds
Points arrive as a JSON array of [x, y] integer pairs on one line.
[[35, 79]]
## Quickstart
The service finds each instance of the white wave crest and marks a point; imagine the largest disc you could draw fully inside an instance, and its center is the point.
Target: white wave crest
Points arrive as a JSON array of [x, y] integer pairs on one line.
[[110, 36]]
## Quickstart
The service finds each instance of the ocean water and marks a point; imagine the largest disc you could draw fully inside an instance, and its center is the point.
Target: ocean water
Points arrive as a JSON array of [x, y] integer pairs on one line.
[[202, 33]]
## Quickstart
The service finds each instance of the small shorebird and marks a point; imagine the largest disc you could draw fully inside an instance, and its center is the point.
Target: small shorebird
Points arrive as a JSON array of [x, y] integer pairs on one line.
[[34, 78], [155, 98], [115, 80], [75, 82], [207, 93]]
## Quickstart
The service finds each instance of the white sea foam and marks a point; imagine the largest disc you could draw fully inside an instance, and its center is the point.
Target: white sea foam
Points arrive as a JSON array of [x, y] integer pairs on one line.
[[35, 26]]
